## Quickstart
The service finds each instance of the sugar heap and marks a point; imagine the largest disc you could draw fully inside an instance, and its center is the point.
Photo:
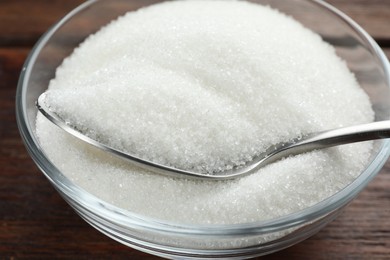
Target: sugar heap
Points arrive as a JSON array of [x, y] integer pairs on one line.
[[205, 84]]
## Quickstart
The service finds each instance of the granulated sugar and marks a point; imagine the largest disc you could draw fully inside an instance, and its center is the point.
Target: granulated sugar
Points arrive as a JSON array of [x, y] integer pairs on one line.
[[205, 85]]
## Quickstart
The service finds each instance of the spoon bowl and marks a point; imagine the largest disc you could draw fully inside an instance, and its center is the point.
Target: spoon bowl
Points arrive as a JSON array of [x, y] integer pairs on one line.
[[298, 145]]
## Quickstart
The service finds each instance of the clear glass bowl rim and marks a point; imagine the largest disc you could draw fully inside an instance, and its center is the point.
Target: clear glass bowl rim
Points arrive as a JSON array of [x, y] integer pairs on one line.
[[133, 220]]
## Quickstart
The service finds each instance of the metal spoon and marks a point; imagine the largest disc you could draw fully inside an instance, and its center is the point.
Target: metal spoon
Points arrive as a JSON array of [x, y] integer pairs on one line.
[[345, 135]]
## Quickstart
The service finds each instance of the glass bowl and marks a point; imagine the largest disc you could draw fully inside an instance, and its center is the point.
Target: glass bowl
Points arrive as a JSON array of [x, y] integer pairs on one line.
[[174, 240]]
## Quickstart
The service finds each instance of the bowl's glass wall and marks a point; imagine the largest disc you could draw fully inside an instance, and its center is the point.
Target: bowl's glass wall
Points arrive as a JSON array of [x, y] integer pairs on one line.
[[363, 58]]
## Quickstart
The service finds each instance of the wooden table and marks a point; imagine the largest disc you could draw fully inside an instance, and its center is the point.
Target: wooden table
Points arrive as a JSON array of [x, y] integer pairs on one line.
[[35, 223]]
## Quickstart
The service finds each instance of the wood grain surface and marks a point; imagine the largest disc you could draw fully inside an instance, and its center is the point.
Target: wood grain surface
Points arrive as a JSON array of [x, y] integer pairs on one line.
[[35, 222]]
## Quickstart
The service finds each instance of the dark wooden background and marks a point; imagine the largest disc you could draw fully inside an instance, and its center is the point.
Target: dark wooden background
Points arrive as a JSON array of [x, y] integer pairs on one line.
[[35, 223]]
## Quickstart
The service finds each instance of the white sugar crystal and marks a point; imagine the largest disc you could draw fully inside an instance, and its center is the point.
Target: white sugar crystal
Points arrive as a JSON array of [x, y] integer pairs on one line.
[[205, 84]]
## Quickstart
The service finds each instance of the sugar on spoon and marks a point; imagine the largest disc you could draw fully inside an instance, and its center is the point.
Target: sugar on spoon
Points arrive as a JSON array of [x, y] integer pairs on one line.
[[306, 143]]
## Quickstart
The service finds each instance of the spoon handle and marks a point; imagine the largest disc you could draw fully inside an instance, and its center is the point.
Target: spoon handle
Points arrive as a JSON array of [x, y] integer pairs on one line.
[[325, 139]]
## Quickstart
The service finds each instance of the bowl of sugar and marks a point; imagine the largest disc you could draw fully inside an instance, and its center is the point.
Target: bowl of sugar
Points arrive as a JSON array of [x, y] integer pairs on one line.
[[205, 85]]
